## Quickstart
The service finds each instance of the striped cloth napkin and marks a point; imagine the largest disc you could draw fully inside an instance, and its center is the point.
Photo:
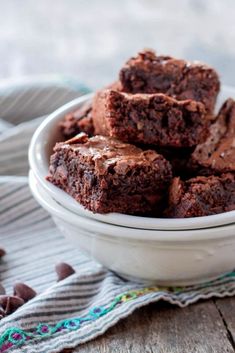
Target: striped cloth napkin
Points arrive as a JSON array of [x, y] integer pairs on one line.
[[70, 312]]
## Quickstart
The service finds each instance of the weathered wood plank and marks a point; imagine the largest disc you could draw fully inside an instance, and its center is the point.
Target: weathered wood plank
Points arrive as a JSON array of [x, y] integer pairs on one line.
[[161, 328], [226, 307]]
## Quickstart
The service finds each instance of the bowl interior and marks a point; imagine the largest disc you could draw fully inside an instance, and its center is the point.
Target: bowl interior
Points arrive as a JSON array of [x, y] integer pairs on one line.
[[41, 148]]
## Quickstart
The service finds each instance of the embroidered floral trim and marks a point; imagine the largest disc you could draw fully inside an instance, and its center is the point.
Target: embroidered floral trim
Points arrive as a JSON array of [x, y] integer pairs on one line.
[[14, 336]]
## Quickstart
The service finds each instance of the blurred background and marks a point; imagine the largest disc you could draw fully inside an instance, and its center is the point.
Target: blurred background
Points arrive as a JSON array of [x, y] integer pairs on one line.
[[90, 40]]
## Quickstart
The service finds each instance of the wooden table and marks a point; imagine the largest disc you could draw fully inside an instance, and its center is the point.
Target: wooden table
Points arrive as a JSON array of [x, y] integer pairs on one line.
[[205, 327], [90, 40]]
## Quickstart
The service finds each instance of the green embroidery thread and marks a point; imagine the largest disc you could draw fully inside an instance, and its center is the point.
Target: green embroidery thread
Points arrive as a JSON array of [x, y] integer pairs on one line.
[[14, 336]]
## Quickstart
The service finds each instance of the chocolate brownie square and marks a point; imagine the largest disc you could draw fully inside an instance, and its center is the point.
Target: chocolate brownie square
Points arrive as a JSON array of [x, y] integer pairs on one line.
[[150, 119], [106, 175], [201, 196], [78, 121], [217, 154], [149, 73]]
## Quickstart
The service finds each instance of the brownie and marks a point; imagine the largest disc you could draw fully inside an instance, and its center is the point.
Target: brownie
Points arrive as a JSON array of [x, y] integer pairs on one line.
[[150, 119], [106, 175], [201, 196], [78, 121], [149, 73], [217, 154]]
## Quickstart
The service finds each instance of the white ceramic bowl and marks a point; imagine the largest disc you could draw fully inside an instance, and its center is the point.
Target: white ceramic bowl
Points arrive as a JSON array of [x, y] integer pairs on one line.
[[39, 153], [152, 256]]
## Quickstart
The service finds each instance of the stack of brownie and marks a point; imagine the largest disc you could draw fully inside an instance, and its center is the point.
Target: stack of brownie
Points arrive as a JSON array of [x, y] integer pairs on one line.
[[150, 144]]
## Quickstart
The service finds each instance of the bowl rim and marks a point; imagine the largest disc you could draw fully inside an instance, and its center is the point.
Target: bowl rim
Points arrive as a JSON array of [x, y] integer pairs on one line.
[[110, 230], [37, 164]]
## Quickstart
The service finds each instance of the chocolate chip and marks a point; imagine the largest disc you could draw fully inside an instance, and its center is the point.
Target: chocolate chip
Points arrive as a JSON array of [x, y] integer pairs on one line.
[[63, 271], [2, 252], [10, 303], [23, 291]]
